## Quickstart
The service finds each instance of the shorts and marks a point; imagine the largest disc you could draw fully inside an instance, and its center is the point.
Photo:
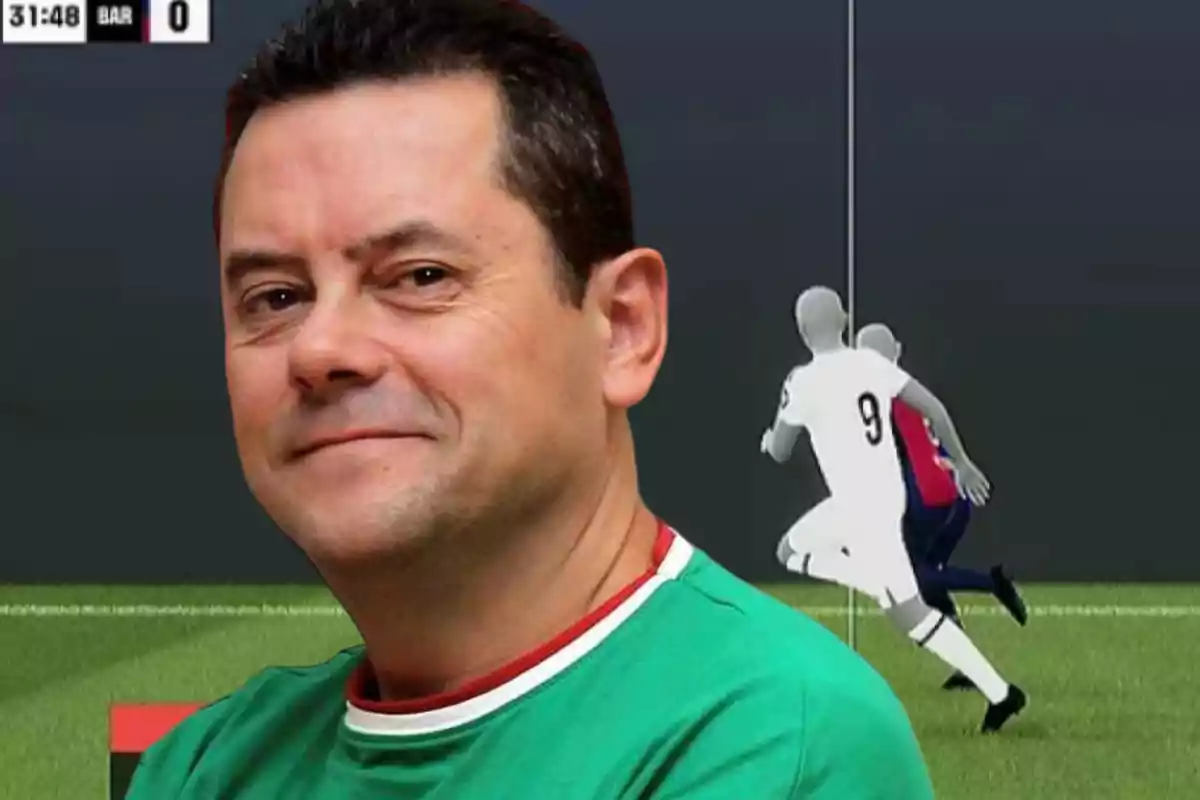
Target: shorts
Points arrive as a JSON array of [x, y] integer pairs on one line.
[[871, 537]]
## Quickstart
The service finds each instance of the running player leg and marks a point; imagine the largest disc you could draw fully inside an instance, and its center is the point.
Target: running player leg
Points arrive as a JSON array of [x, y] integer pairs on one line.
[[815, 546], [929, 629], [921, 526], [958, 579]]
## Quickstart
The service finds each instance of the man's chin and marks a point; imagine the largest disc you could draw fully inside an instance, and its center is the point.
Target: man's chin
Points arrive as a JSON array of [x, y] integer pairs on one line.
[[358, 536], [352, 520]]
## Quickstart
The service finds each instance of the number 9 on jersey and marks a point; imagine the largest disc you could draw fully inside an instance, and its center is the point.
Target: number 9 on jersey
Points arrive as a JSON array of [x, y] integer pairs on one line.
[[180, 21]]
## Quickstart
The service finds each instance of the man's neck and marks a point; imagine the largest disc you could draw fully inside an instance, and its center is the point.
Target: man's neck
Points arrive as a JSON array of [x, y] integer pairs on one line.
[[461, 617]]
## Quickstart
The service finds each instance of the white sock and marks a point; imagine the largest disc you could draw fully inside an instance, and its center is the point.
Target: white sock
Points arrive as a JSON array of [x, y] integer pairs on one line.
[[946, 640], [833, 566]]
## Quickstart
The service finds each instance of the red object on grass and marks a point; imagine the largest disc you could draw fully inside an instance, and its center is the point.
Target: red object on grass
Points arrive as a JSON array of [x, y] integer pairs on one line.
[[134, 727]]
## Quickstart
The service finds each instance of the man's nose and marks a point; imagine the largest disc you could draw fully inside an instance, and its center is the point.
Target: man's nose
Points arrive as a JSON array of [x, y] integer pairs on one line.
[[336, 350]]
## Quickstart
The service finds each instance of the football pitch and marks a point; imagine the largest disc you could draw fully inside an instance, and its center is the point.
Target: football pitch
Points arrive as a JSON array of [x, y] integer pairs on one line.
[[1110, 670]]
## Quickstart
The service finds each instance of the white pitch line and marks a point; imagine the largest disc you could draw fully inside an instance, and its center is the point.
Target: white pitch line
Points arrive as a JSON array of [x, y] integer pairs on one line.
[[146, 610], [1034, 611], [326, 610]]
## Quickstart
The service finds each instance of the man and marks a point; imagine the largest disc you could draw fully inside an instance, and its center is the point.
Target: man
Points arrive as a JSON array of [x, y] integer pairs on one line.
[[436, 320], [853, 538], [936, 514]]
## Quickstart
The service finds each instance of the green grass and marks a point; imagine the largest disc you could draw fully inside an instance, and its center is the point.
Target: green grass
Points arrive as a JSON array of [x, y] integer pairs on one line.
[[1115, 703]]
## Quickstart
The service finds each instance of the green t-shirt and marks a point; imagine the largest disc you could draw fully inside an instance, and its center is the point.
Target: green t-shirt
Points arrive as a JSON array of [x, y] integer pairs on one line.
[[690, 684]]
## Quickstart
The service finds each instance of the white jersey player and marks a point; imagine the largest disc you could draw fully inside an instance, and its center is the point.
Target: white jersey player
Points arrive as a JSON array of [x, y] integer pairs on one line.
[[843, 399]]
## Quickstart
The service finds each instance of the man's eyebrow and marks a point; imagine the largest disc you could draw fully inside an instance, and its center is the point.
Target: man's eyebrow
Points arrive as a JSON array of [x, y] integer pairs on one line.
[[240, 263], [416, 233]]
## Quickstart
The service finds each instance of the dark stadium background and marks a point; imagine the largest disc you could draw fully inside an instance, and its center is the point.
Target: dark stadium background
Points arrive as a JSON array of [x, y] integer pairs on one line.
[[1028, 185]]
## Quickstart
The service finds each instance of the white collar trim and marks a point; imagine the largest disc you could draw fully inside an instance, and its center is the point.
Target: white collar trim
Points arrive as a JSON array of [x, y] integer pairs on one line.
[[440, 719]]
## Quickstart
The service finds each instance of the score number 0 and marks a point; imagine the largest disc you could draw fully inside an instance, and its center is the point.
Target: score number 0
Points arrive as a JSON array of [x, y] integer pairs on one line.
[[180, 21]]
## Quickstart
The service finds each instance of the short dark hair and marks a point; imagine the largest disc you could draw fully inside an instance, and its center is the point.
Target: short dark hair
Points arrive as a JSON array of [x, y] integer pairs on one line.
[[562, 153]]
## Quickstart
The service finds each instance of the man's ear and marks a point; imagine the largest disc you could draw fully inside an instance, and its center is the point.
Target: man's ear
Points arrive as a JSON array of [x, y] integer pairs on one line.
[[629, 296]]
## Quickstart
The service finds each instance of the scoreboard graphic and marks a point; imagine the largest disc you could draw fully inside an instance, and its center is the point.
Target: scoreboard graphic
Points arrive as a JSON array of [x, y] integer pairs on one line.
[[93, 21]]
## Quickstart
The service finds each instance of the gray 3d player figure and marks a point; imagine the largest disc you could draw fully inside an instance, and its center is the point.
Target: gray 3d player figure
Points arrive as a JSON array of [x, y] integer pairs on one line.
[[853, 538], [936, 513]]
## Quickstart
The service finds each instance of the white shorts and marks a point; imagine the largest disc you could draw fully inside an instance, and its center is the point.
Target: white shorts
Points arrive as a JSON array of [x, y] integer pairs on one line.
[[871, 537]]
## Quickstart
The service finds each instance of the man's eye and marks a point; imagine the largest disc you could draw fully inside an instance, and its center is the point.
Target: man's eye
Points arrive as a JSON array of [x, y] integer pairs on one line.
[[427, 276], [278, 298], [409, 279]]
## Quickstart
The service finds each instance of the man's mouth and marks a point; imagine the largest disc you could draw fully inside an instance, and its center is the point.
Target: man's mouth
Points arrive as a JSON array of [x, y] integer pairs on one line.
[[345, 437]]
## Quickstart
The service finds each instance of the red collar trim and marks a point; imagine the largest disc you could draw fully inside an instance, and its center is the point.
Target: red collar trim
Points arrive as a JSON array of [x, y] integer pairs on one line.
[[362, 684]]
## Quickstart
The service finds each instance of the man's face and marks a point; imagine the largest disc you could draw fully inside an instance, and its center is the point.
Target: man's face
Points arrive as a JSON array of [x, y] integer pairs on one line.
[[398, 350]]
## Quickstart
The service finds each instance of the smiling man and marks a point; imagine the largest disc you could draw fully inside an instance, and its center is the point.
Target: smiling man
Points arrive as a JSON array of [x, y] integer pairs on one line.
[[436, 319]]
